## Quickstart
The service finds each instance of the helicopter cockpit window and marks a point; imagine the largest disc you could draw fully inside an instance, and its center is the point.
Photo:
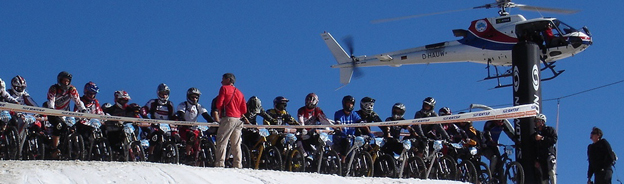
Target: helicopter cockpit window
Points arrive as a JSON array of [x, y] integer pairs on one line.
[[565, 29]]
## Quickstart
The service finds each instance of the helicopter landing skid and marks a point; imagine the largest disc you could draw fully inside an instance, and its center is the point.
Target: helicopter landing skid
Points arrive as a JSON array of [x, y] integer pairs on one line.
[[509, 73]]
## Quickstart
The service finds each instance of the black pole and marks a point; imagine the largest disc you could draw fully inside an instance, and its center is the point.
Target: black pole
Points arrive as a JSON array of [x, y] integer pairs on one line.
[[526, 86]]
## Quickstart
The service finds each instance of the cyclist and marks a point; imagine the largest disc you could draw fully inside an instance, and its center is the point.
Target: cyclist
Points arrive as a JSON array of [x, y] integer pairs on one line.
[[393, 133], [88, 99], [491, 134], [18, 91], [279, 114], [424, 131], [368, 115], [4, 95], [91, 104], [190, 110], [254, 109], [159, 108], [453, 132], [310, 114], [345, 116], [471, 136], [59, 96], [113, 129]]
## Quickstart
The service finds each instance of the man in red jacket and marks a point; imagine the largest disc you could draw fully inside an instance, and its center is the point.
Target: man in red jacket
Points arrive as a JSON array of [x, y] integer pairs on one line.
[[231, 106]]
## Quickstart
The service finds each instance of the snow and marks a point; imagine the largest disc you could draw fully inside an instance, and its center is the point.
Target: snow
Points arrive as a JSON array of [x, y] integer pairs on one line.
[[146, 172]]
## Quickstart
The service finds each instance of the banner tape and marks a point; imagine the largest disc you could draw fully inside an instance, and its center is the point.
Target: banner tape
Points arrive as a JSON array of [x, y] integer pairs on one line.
[[521, 111]]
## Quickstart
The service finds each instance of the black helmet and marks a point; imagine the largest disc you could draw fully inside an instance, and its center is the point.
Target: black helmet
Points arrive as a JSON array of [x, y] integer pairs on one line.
[[367, 104], [63, 75], [311, 101], [444, 111], [190, 92], [348, 99], [280, 103], [398, 109], [430, 102]]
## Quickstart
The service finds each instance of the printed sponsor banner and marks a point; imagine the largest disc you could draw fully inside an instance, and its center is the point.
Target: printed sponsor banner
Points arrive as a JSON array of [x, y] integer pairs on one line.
[[502, 113]]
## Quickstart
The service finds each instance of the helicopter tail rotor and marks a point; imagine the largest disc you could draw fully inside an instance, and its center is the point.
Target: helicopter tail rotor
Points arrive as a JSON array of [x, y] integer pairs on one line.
[[348, 41], [346, 62]]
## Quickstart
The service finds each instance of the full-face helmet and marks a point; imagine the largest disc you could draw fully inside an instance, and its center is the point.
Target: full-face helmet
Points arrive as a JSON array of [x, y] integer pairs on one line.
[[61, 76], [398, 110], [192, 95], [311, 101], [254, 105], [280, 103], [90, 90], [367, 104], [121, 98], [18, 83], [163, 92]]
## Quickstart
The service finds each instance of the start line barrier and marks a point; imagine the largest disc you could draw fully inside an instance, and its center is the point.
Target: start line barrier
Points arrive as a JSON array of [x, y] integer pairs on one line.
[[521, 111]]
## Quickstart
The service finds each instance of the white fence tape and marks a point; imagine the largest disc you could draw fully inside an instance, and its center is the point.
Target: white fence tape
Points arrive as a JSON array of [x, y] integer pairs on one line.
[[521, 111]]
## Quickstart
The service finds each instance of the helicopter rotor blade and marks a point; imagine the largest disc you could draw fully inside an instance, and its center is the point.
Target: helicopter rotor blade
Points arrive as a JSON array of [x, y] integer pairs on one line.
[[416, 16], [544, 9]]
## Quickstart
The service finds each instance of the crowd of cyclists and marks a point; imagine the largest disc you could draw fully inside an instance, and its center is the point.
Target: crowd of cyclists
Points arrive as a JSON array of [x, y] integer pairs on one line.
[[440, 151]]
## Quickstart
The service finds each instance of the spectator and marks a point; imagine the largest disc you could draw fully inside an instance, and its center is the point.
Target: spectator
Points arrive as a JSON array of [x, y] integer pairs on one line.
[[231, 106], [600, 157]]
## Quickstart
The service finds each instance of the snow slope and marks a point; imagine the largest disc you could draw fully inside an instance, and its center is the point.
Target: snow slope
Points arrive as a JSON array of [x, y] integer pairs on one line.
[[145, 172]]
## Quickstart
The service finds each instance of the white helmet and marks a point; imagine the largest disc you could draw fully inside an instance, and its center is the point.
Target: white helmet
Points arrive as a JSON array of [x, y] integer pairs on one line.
[[541, 117]]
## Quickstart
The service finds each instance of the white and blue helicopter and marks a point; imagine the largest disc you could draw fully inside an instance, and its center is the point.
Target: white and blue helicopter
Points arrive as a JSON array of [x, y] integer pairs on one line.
[[488, 41]]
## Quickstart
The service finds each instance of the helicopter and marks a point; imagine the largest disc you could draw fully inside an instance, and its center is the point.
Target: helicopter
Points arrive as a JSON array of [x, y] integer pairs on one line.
[[487, 41]]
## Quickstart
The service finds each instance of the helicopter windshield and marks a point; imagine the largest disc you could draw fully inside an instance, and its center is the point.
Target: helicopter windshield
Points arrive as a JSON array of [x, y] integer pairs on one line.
[[565, 28]]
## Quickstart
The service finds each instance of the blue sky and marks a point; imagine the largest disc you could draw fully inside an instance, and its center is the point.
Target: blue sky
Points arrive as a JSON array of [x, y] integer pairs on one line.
[[275, 49]]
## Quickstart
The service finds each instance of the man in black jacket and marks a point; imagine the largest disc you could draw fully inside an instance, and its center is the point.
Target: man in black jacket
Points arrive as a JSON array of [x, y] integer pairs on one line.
[[545, 140], [600, 158]]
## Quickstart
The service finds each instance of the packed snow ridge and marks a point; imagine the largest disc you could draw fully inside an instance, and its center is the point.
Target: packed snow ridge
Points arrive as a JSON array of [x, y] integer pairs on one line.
[[39, 171]]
